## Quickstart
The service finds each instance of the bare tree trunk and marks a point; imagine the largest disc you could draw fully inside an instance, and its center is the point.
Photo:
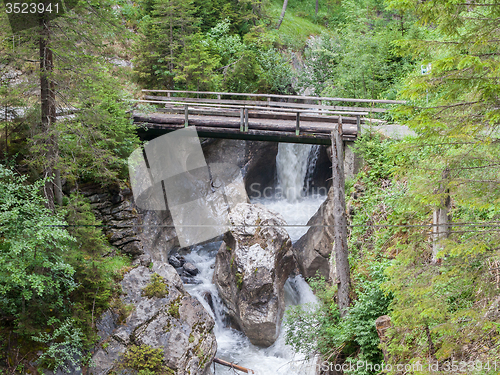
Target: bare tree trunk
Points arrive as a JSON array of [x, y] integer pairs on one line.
[[52, 188], [340, 221], [285, 4], [317, 6], [441, 218]]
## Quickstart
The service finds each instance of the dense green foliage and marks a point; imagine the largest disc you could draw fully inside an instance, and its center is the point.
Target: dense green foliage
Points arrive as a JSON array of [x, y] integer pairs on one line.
[[34, 275], [54, 281]]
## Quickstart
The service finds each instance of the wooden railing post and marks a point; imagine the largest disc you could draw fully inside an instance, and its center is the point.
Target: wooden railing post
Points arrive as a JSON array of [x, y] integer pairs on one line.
[[186, 116], [297, 124], [246, 119], [242, 119]]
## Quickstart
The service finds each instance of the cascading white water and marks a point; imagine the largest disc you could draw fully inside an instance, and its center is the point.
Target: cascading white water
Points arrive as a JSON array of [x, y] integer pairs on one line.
[[233, 345], [291, 167], [293, 163]]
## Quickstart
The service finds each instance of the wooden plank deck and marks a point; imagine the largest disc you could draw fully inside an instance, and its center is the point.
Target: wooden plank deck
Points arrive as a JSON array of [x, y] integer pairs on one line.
[[311, 132], [277, 118]]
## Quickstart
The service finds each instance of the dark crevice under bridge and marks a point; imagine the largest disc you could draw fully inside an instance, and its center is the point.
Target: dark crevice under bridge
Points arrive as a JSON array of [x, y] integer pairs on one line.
[[260, 117]]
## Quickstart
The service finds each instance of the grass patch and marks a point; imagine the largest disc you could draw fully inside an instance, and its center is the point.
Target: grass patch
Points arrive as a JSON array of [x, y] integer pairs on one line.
[[298, 25]]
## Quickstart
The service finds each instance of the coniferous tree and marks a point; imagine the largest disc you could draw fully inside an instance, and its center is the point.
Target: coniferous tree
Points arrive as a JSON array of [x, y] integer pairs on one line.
[[165, 31], [449, 308]]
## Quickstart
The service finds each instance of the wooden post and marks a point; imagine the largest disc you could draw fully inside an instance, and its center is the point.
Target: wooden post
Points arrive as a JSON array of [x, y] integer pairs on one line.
[[297, 124], [440, 217], [232, 365], [382, 324], [246, 119], [186, 116], [242, 119], [340, 249]]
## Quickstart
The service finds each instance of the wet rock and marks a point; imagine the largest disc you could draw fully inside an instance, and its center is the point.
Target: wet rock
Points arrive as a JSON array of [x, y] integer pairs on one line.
[[174, 261], [117, 198], [256, 160], [176, 323], [191, 269], [207, 296], [251, 268], [312, 251], [190, 280]]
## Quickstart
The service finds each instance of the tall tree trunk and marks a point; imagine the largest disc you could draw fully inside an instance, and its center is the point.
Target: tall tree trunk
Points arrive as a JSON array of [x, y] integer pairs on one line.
[[441, 218], [285, 4], [52, 189], [340, 221], [317, 7]]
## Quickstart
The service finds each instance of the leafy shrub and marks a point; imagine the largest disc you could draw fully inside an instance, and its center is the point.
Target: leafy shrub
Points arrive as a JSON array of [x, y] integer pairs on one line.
[[65, 346]]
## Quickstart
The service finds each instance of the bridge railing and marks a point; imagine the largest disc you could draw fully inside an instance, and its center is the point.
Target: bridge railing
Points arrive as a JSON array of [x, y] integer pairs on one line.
[[319, 104], [282, 107]]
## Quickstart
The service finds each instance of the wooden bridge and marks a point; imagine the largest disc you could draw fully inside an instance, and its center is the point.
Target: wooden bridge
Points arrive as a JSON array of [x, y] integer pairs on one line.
[[263, 117]]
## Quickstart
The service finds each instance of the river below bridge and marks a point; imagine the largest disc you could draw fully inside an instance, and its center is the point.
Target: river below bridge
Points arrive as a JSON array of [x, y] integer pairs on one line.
[[294, 165]]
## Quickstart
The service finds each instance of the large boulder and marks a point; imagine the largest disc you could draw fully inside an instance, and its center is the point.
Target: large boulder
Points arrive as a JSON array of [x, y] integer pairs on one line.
[[251, 268], [313, 250], [165, 317]]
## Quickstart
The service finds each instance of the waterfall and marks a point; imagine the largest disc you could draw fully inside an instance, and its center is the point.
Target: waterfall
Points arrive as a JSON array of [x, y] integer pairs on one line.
[[295, 164]]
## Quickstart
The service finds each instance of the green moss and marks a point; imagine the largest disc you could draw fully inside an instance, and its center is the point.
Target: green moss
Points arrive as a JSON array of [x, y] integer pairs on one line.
[[121, 309], [173, 309], [144, 359], [239, 280], [156, 288], [167, 327]]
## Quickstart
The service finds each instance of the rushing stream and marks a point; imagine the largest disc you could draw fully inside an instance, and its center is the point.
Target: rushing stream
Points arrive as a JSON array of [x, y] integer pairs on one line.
[[295, 164]]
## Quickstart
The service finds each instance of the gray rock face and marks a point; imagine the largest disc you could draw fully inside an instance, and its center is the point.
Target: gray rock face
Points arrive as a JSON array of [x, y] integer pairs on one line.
[[312, 251], [257, 160], [251, 268], [177, 323], [115, 208]]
